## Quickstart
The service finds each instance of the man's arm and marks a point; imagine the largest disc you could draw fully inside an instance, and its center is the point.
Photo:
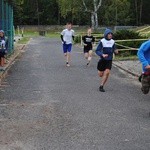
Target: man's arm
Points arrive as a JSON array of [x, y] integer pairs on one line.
[[61, 36], [114, 49], [99, 49], [144, 47], [93, 39], [73, 37], [83, 39]]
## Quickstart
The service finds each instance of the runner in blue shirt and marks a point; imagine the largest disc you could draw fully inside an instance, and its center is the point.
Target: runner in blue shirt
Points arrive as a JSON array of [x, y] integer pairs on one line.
[[144, 57]]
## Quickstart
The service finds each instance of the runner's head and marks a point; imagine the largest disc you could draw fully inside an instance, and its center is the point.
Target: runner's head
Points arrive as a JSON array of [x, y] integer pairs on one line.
[[108, 34], [89, 31], [69, 25], [1, 33]]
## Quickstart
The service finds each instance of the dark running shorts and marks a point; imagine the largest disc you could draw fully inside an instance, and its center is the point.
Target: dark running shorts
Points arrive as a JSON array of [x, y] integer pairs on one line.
[[2, 53], [104, 64], [87, 48]]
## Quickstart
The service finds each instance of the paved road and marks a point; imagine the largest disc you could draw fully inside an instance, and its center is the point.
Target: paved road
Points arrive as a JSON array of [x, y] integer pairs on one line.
[[47, 106]]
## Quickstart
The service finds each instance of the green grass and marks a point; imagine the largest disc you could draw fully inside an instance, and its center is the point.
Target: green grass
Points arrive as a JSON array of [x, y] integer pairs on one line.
[[133, 57], [36, 34], [52, 35], [23, 40], [30, 34]]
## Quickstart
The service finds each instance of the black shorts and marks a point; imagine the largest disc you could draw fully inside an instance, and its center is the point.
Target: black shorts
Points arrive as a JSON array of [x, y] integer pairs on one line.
[[3, 53], [104, 64], [87, 48]]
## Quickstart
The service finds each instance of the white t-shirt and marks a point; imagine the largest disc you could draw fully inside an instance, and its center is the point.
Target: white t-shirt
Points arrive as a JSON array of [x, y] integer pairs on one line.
[[67, 35], [2, 44]]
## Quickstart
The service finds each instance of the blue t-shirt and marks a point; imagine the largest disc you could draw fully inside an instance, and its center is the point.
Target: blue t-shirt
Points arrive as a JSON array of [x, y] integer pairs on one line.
[[144, 54]]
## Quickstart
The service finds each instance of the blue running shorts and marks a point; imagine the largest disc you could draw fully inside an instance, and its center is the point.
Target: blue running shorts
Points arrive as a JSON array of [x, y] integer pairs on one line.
[[67, 48]]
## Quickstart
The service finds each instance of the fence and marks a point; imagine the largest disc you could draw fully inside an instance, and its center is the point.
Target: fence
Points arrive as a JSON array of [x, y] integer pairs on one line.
[[6, 22], [123, 47]]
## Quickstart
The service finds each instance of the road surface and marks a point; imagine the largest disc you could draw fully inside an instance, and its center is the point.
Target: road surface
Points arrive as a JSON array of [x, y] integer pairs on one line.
[[46, 106]]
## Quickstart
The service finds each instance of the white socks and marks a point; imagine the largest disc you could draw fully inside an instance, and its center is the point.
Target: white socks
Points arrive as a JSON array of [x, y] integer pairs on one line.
[[89, 58]]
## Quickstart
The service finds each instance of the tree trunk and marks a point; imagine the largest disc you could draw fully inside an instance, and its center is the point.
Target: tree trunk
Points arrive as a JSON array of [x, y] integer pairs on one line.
[[96, 20], [96, 7], [141, 9], [93, 20], [94, 16], [136, 12]]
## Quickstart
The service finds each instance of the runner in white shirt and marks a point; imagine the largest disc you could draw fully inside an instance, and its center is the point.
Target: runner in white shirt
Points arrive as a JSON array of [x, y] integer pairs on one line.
[[67, 35]]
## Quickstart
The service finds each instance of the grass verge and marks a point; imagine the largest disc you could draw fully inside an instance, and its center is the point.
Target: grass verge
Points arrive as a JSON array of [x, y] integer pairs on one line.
[[132, 57]]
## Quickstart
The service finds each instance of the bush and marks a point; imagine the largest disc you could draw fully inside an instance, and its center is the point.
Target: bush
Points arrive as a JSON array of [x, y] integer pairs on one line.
[[128, 34], [77, 39]]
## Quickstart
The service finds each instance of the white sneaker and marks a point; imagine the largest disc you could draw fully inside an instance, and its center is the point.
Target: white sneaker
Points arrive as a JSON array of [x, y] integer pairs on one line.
[[67, 65]]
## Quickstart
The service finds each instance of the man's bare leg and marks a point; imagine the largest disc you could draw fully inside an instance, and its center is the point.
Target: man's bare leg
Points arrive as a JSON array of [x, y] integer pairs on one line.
[[104, 76], [68, 59], [89, 56]]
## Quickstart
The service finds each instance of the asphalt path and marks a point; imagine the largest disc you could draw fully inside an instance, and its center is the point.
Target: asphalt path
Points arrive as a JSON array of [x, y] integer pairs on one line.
[[45, 105]]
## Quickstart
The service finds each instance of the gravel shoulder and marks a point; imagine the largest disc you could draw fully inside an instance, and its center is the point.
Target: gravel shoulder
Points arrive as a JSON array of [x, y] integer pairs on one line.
[[133, 67]]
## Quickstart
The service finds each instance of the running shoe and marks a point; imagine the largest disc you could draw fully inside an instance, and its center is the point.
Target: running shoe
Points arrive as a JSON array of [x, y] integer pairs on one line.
[[88, 63], [67, 64], [101, 89]]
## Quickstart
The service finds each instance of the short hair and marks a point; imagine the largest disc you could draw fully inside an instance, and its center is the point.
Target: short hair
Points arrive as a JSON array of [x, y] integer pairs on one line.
[[69, 23]]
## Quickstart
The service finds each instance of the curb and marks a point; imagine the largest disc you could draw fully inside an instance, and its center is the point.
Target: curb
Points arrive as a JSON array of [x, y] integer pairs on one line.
[[4, 72], [130, 72]]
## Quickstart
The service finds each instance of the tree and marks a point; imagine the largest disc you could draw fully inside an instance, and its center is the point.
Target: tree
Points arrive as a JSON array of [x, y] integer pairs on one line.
[[145, 12], [69, 9], [82, 12], [115, 12], [96, 5], [137, 10], [75, 7], [18, 11], [35, 12]]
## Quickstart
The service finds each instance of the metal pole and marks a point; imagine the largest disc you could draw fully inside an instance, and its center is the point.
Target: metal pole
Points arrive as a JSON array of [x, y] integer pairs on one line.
[[11, 34], [7, 23], [2, 14], [12, 26]]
